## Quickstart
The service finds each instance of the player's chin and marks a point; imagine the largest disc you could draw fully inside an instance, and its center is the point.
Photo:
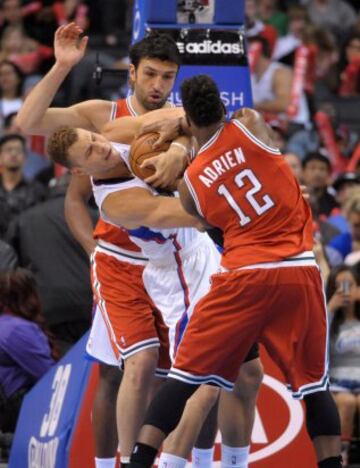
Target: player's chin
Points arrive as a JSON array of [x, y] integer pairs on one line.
[[153, 104]]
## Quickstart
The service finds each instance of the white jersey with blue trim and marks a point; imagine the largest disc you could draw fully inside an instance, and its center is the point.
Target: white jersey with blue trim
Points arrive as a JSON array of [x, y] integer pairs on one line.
[[161, 246]]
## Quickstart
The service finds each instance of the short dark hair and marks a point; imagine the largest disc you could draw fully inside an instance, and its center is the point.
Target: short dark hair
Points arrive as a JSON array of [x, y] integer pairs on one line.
[[201, 100], [12, 136], [155, 46], [59, 143], [316, 157]]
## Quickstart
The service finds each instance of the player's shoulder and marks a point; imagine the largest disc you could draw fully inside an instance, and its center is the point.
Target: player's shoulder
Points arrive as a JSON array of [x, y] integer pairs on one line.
[[253, 126]]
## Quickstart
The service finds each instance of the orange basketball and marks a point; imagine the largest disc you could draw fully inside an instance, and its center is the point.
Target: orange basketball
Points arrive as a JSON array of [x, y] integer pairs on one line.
[[142, 149]]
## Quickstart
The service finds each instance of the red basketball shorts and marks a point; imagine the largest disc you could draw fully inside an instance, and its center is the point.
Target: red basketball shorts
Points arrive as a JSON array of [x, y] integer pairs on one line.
[[281, 307], [132, 320]]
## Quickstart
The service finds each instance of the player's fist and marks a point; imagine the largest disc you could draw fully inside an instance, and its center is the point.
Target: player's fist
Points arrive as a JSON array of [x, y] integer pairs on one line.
[[69, 47]]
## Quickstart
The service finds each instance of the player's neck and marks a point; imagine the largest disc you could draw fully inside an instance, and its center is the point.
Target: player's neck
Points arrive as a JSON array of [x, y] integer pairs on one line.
[[203, 134], [119, 171]]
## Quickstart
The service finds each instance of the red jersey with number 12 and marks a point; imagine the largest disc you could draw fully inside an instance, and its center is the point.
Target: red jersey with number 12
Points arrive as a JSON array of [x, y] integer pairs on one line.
[[247, 189]]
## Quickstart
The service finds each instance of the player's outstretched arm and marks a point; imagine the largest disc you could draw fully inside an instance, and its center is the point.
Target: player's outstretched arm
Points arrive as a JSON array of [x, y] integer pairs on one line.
[[76, 211], [137, 207], [125, 129], [35, 116]]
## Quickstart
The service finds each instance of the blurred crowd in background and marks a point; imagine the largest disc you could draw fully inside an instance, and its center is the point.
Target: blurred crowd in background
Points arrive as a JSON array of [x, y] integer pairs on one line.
[[305, 65]]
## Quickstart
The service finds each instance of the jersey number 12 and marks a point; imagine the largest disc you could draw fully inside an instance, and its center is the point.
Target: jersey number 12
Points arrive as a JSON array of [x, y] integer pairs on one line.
[[260, 208]]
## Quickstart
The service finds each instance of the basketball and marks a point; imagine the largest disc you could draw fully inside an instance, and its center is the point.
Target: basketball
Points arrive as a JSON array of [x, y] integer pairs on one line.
[[142, 149]]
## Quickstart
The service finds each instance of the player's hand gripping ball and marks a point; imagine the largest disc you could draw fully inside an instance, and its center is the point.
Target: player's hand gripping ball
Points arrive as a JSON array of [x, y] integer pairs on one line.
[[142, 149]]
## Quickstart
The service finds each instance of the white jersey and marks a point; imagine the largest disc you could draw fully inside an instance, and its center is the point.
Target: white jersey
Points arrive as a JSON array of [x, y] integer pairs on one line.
[[262, 90], [158, 245], [181, 260]]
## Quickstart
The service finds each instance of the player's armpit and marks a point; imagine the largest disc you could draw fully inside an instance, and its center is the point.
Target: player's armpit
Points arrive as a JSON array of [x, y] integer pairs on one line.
[[132, 208]]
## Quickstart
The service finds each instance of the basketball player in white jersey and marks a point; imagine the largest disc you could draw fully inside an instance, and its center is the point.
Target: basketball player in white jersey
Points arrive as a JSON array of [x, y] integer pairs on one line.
[[180, 260]]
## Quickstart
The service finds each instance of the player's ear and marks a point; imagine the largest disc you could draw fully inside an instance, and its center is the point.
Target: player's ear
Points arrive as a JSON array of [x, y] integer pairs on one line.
[[132, 72]]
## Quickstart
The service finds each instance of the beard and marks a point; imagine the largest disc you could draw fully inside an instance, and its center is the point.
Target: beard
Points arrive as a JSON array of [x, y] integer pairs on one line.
[[150, 106]]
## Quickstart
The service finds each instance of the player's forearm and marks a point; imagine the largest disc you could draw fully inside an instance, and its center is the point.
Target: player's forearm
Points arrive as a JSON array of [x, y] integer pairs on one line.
[[31, 117], [169, 214], [80, 223]]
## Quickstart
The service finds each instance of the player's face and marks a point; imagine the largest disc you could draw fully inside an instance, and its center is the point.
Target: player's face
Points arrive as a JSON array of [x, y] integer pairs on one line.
[[153, 81], [93, 153]]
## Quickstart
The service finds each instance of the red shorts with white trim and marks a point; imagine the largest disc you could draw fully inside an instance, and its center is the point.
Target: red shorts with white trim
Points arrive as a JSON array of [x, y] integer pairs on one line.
[[283, 308], [133, 322]]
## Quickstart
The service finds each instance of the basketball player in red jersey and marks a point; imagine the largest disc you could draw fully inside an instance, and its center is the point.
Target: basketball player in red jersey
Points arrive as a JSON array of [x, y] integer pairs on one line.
[[152, 72], [269, 288]]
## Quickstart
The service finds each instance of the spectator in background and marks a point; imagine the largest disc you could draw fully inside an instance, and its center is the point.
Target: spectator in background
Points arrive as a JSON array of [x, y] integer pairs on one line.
[[335, 15], [344, 310], [349, 72], [11, 87], [298, 22], [11, 12], [18, 193], [64, 282], [255, 27], [8, 257], [317, 176], [270, 14], [20, 49], [272, 88], [26, 350], [349, 242], [35, 162], [344, 185]]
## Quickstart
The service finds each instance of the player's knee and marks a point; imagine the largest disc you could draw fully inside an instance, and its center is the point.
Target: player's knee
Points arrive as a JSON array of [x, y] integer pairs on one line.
[[203, 399], [250, 377], [140, 367]]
